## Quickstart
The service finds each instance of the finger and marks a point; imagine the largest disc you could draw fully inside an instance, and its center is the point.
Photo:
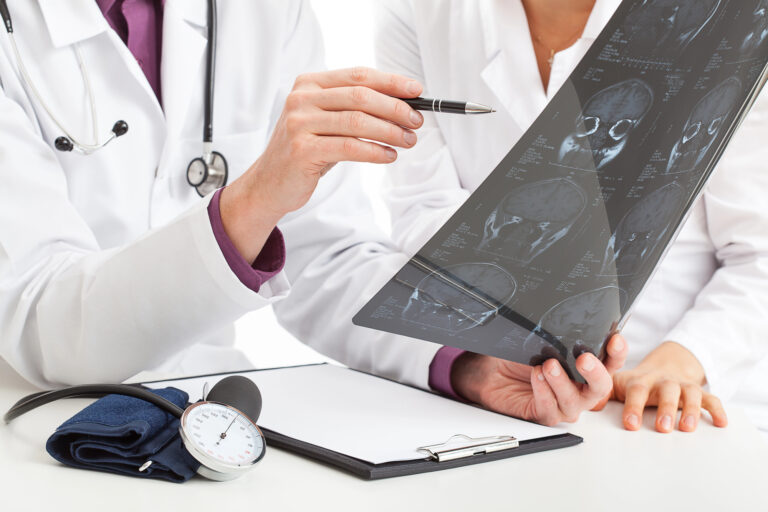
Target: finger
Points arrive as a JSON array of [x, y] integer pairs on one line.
[[634, 403], [369, 101], [350, 149], [617, 351], [691, 399], [668, 403], [547, 411], [601, 404], [712, 404], [620, 381], [599, 381], [565, 390], [387, 83], [361, 125]]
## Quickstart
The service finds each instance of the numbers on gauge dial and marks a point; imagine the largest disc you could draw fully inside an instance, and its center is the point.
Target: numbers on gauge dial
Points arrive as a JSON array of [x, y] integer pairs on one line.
[[223, 434]]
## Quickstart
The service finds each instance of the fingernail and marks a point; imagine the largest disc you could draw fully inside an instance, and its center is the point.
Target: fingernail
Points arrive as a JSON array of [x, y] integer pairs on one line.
[[589, 363], [413, 87], [555, 370], [391, 154], [539, 374], [689, 421], [416, 117], [409, 138], [666, 422], [618, 345], [633, 420]]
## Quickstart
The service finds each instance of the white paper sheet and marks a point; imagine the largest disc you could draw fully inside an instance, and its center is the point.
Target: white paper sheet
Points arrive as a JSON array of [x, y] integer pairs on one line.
[[362, 416]]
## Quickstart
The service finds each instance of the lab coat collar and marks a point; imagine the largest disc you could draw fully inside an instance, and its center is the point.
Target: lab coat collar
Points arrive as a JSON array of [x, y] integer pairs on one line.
[[72, 21], [491, 10], [194, 12], [511, 60], [508, 72]]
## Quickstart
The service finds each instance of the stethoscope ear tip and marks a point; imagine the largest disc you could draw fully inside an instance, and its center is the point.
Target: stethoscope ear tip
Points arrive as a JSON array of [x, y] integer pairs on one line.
[[63, 144], [120, 128]]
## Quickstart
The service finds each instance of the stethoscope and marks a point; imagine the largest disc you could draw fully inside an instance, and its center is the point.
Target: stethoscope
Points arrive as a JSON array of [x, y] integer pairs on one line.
[[206, 173]]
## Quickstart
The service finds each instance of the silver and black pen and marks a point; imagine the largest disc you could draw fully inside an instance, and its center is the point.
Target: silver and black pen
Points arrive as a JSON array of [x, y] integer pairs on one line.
[[447, 107]]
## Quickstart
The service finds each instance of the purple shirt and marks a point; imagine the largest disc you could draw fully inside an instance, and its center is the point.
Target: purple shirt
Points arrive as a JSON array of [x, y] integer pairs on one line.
[[269, 262], [139, 23]]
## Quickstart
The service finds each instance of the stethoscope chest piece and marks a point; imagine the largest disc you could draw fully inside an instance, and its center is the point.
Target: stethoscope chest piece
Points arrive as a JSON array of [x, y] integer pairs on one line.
[[208, 174], [205, 174]]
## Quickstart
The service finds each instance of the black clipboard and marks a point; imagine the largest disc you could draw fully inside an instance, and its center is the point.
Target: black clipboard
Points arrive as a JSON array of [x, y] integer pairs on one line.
[[370, 471]]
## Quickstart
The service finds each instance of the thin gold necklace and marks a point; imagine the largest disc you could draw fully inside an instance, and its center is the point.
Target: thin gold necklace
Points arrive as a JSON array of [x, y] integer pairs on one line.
[[551, 50]]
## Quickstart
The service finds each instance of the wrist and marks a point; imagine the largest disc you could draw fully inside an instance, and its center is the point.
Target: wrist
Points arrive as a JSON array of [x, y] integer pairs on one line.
[[468, 376], [258, 196], [247, 221]]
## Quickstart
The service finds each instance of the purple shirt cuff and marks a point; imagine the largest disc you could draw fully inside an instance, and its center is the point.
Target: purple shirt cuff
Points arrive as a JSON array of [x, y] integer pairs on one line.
[[269, 262], [440, 371]]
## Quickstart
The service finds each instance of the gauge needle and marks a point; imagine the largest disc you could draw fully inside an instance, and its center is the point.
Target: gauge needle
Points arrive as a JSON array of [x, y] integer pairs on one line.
[[224, 434]]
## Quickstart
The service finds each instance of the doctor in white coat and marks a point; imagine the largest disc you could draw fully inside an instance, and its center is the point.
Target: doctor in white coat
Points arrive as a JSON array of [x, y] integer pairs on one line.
[[702, 320], [110, 264]]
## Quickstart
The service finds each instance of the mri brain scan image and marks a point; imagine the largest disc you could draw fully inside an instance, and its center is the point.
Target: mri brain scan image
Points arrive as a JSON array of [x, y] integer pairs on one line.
[[664, 26], [460, 297], [531, 218], [759, 34], [576, 324], [708, 118], [603, 128], [641, 231]]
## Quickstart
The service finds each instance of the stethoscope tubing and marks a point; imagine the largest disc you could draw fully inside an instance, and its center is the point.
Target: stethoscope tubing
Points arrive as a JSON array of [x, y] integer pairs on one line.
[[83, 147], [70, 142], [210, 75], [35, 400]]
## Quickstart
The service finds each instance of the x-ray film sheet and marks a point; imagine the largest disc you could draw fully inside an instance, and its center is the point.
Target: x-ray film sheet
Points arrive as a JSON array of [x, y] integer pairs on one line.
[[548, 255]]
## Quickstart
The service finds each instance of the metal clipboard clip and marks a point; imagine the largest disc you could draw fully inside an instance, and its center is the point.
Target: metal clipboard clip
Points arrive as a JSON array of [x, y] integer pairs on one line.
[[452, 450]]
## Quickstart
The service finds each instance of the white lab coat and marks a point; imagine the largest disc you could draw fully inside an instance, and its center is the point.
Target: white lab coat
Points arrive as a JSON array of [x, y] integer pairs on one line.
[[108, 263], [710, 293]]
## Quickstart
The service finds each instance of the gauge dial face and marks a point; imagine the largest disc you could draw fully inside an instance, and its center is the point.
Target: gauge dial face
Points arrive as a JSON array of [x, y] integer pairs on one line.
[[222, 435]]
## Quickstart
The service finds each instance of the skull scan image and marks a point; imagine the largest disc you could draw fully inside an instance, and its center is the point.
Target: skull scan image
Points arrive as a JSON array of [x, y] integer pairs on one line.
[[664, 27], [605, 124], [759, 34], [641, 230], [460, 297], [578, 323], [704, 124], [530, 219]]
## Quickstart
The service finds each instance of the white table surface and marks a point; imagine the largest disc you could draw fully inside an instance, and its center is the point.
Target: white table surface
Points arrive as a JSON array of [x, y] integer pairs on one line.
[[612, 470]]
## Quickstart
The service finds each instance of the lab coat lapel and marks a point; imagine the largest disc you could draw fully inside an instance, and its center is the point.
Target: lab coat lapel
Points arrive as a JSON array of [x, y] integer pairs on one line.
[[184, 44], [72, 21], [511, 72]]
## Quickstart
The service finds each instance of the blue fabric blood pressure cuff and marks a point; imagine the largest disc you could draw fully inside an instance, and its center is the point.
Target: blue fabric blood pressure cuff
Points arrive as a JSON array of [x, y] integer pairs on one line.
[[120, 434]]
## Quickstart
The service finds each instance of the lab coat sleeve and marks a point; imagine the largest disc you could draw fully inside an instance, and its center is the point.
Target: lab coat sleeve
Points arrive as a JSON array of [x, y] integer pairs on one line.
[[726, 327], [424, 187], [71, 312], [337, 259]]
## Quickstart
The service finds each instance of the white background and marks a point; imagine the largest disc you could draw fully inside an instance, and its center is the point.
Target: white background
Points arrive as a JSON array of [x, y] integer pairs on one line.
[[348, 32]]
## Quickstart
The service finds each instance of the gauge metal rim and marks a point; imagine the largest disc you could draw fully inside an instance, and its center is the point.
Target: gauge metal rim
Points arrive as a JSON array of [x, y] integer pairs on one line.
[[213, 468]]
